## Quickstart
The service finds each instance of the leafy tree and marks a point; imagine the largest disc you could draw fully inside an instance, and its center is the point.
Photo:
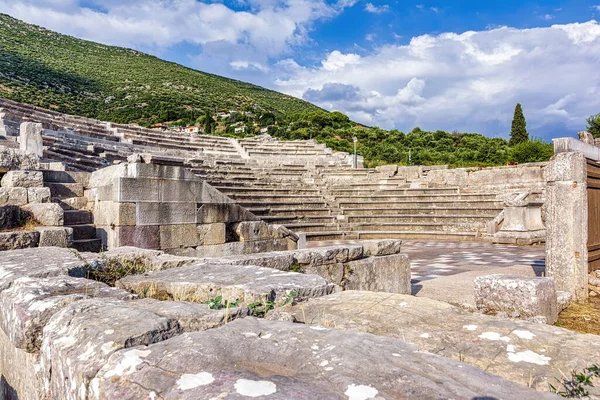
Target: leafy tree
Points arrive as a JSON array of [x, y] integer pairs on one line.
[[531, 151], [518, 131], [594, 125], [267, 119]]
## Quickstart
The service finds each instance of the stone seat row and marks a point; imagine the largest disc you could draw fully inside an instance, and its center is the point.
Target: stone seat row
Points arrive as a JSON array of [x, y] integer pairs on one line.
[[18, 109], [200, 141], [54, 124], [183, 136]]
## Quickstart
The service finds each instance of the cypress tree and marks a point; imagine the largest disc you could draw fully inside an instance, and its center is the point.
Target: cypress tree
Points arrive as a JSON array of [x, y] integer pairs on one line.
[[208, 123], [518, 131]]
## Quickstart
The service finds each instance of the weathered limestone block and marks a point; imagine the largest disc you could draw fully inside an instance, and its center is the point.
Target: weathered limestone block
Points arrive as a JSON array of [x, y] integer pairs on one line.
[[563, 299], [77, 203], [113, 213], [39, 263], [9, 217], [451, 177], [48, 214], [18, 240], [328, 255], [9, 123], [66, 190], [227, 213], [145, 237], [14, 196], [191, 317], [23, 179], [181, 191], [383, 247], [30, 138], [18, 372], [281, 260], [378, 274], [138, 189], [528, 297], [165, 213], [68, 177], [209, 234], [239, 248], [30, 302], [154, 260], [523, 218], [567, 224], [202, 282], [38, 195], [586, 137], [79, 339], [15, 159], [55, 236], [523, 352], [109, 175], [178, 236], [230, 362], [251, 231]]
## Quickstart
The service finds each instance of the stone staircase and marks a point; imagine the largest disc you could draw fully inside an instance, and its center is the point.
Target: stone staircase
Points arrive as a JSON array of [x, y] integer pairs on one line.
[[67, 189]]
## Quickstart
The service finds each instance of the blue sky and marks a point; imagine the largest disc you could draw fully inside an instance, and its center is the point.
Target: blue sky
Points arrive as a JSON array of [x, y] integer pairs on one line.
[[451, 65]]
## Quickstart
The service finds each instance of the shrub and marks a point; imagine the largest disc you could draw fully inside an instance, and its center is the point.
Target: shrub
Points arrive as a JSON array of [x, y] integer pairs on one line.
[[531, 151]]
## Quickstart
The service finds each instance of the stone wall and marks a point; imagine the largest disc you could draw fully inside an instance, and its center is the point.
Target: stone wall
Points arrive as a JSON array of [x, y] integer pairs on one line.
[[506, 177], [169, 208]]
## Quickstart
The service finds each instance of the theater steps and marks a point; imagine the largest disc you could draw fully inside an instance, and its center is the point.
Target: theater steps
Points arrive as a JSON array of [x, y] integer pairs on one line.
[[66, 189]]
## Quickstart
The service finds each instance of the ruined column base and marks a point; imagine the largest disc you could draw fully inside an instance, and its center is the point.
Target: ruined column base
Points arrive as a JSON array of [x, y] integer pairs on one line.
[[518, 237]]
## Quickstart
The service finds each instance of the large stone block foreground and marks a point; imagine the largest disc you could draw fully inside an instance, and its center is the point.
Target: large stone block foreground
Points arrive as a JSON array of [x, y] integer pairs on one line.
[[525, 352], [253, 358], [65, 337]]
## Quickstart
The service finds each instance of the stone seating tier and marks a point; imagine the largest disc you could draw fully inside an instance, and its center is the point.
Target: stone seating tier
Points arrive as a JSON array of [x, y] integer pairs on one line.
[[289, 211], [301, 184]]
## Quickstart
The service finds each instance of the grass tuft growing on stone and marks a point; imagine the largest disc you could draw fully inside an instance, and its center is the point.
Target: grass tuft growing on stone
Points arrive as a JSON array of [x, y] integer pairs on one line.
[[110, 269]]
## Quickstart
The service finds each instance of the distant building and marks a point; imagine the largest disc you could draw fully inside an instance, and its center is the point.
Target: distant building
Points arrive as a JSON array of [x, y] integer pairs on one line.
[[240, 129], [223, 114], [264, 130], [192, 129]]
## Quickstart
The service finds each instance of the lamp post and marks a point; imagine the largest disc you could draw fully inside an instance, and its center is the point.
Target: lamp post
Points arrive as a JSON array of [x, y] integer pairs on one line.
[[355, 161]]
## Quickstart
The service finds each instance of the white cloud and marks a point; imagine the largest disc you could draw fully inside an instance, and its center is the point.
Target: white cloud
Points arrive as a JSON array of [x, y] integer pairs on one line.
[[270, 28], [240, 65], [434, 9], [370, 37], [369, 7], [336, 61], [469, 81], [597, 8], [547, 17]]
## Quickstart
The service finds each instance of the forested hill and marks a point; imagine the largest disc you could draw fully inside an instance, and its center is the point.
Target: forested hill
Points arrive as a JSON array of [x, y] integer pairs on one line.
[[74, 76]]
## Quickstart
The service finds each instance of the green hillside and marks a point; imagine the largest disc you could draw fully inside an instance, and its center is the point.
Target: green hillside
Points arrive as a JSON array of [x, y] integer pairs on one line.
[[74, 76]]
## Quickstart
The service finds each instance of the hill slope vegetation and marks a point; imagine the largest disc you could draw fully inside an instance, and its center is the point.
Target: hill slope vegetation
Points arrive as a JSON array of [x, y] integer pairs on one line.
[[74, 76]]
